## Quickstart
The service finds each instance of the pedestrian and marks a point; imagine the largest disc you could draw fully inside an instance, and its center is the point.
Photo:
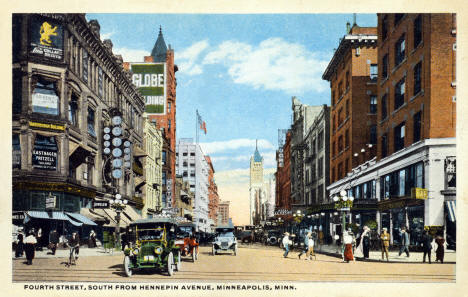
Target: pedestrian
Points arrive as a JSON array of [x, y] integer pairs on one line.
[[20, 245], [306, 246], [385, 242], [427, 246], [92, 239], [53, 241], [362, 250], [348, 239], [320, 237], [39, 239], [75, 242], [404, 242], [29, 247], [310, 251], [440, 242], [286, 243]]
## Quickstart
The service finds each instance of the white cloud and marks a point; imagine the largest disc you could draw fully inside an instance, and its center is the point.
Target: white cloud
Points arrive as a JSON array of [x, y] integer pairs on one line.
[[187, 60], [107, 35], [233, 144], [131, 55], [274, 64]]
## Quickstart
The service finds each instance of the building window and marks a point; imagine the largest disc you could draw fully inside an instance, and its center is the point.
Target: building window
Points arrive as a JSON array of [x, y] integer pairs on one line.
[[346, 166], [401, 183], [347, 138], [168, 107], [417, 31], [340, 143], [164, 180], [400, 50], [373, 104], [451, 172], [340, 89], [347, 108], [347, 80], [384, 145], [85, 66], [417, 126], [320, 140], [185, 173], [384, 27], [385, 66], [100, 82], [399, 137], [417, 79], [333, 98], [419, 183], [334, 148], [16, 156], [73, 110], [164, 158], [398, 17], [320, 167], [399, 94], [373, 134], [17, 92], [192, 154], [384, 106], [91, 122], [373, 72], [169, 124], [44, 98]]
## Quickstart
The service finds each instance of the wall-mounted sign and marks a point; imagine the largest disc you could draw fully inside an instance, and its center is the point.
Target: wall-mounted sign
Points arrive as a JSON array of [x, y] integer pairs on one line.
[[45, 103], [283, 212], [46, 38], [150, 79], [101, 204], [47, 126], [44, 154], [419, 193], [18, 216], [50, 202]]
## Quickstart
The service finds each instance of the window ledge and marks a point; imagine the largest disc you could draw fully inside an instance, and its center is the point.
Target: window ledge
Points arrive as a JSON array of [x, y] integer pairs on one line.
[[399, 65], [420, 93], [398, 109]]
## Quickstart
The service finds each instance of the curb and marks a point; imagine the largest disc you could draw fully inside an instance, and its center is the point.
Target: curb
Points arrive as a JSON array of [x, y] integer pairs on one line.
[[378, 260]]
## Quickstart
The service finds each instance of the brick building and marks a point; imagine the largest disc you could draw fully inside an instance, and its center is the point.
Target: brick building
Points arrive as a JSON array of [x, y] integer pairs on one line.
[[213, 197], [283, 179], [413, 177], [223, 213]]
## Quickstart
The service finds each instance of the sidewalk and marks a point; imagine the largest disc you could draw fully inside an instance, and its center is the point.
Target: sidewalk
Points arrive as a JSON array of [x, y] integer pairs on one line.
[[376, 256], [64, 253]]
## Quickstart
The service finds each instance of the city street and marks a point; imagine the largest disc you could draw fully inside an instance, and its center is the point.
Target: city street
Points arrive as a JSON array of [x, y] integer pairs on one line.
[[253, 263]]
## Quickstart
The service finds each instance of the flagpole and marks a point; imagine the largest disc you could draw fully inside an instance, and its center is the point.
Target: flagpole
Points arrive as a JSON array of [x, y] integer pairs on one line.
[[196, 126]]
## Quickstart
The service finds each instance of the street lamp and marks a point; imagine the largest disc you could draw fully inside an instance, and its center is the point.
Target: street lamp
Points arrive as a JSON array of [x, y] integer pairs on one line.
[[343, 203], [118, 205]]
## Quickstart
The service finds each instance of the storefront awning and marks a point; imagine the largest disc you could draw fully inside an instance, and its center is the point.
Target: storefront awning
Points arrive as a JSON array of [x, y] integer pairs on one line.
[[90, 214], [49, 215], [80, 218], [131, 213], [451, 210]]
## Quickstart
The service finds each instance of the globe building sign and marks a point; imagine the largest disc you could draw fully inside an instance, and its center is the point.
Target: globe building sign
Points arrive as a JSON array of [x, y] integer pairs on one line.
[[150, 79]]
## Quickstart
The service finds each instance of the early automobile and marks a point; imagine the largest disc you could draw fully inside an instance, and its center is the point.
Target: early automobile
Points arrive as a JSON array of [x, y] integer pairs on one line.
[[224, 240], [153, 246], [187, 241]]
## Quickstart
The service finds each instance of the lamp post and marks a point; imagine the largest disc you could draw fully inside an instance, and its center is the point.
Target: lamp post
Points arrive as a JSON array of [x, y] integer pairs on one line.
[[343, 203], [118, 205]]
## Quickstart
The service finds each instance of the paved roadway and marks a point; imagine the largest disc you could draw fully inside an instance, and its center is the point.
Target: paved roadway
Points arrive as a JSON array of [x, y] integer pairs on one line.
[[254, 263]]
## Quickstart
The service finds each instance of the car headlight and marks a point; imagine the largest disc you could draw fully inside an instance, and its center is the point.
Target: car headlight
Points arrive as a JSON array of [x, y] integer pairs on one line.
[[135, 251], [158, 250]]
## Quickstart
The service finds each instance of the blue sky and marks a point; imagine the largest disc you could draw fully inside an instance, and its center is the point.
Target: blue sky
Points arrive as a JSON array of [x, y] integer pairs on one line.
[[240, 72]]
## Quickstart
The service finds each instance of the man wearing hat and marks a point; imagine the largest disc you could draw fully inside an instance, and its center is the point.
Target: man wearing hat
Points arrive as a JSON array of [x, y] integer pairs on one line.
[[286, 244], [385, 242]]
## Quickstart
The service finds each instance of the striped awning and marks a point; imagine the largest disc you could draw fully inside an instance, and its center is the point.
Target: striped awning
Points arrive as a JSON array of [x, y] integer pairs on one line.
[[80, 218], [451, 210], [49, 215]]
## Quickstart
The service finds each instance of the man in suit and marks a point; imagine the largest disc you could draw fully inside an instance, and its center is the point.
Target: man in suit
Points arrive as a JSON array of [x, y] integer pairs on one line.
[[404, 246], [385, 242]]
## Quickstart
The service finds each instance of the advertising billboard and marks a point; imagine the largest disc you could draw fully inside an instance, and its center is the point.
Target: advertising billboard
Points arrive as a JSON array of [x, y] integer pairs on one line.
[[150, 79], [46, 38]]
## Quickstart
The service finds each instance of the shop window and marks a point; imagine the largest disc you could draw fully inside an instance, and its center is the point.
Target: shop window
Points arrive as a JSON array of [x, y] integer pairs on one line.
[[417, 79], [44, 154], [384, 107], [365, 191], [419, 183], [385, 66], [417, 31], [400, 50], [373, 104], [37, 201], [401, 182], [373, 72], [385, 187], [417, 127], [91, 122], [373, 134], [399, 94], [384, 145], [73, 110], [44, 97], [399, 137], [17, 92], [16, 157]]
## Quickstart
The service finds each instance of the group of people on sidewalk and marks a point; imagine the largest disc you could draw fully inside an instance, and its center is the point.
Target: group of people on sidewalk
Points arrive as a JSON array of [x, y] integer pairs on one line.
[[349, 250]]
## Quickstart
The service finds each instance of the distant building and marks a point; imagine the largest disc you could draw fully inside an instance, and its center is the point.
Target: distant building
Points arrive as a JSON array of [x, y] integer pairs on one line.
[[223, 213], [283, 178], [257, 189], [184, 198], [213, 196]]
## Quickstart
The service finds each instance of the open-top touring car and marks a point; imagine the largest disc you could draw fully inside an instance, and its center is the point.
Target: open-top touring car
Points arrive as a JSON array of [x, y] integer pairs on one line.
[[153, 246], [187, 241]]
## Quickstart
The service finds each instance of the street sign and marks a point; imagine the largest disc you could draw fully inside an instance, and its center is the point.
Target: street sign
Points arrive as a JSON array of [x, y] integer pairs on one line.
[[101, 204], [50, 202]]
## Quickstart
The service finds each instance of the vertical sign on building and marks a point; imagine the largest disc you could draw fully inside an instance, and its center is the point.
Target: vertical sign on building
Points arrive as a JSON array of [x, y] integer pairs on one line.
[[150, 79], [169, 192]]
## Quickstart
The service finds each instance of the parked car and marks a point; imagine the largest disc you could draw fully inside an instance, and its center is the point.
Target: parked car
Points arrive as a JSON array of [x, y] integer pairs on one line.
[[187, 240], [272, 237], [153, 246], [224, 241]]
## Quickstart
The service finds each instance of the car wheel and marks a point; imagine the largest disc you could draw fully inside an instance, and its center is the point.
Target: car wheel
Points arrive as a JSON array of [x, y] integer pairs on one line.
[[128, 270], [170, 263], [179, 261], [194, 253]]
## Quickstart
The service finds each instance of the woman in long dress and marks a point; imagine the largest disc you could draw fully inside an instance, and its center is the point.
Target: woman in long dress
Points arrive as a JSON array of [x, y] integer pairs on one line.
[[440, 241], [29, 247], [348, 242], [362, 250]]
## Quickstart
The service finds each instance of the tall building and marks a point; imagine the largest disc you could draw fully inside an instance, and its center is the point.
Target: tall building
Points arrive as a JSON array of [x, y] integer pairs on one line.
[[184, 198], [223, 213], [160, 101], [213, 196], [257, 188], [412, 180], [193, 167], [283, 178], [65, 86], [352, 73]]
